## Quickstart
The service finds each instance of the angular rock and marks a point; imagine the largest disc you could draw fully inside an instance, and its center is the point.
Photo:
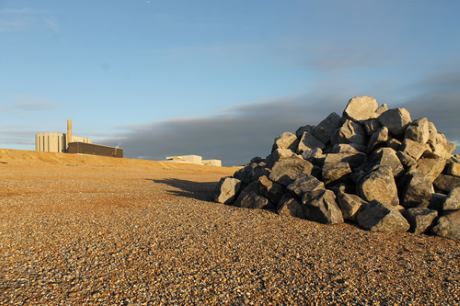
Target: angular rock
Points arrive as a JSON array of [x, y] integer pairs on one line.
[[305, 184], [452, 201], [418, 192], [270, 190], [449, 226], [289, 206], [394, 143], [316, 156], [380, 137], [382, 108], [350, 204], [379, 185], [387, 157], [335, 171], [396, 120], [287, 140], [354, 160], [414, 149], [430, 167], [419, 131], [371, 126], [377, 217], [347, 148], [227, 190], [308, 142], [420, 219], [321, 206], [406, 160], [350, 132], [279, 154], [250, 173], [446, 183], [442, 147], [326, 128], [453, 168], [286, 171], [361, 108], [307, 128], [249, 198], [437, 201], [257, 160], [432, 132]]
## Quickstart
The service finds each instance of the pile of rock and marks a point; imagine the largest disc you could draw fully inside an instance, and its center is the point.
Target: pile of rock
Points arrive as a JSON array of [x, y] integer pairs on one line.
[[372, 166]]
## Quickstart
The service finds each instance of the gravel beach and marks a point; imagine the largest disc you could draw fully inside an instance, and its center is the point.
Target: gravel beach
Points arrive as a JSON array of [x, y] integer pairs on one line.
[[93, 230]]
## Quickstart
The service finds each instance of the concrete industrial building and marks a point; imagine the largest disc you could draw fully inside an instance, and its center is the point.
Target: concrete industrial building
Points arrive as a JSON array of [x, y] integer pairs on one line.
[[68, 143], [194, 159]]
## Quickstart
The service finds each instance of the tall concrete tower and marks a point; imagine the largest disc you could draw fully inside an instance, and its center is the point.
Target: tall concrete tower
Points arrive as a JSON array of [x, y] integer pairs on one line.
[[69, 133]]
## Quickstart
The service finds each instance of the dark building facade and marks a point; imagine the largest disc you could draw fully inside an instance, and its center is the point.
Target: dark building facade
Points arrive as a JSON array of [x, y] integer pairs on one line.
[[94, 149]]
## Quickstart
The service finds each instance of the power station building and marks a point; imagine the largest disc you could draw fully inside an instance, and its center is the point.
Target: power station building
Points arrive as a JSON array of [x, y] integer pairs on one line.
[[68, 143]]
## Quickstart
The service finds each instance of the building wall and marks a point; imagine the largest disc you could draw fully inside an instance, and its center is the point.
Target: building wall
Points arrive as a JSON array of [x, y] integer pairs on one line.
[[81, 139], [55, 142], [93, 149], [50, 142]]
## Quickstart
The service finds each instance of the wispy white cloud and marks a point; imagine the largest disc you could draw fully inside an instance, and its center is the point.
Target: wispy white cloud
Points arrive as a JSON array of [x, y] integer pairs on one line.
[[23, 19]]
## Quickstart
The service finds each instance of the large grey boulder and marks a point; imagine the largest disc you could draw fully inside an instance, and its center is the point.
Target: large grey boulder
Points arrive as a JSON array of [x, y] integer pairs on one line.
[[449, 226], [430, 167], [306, 128], [361, 108], [350, 204], [355, 160], [321, 206], [304, 184], [447, 183], [335, 171], [452, 201], [279, 154], [350, 132], [382, 108], [396, 120], [437, 201], [249, 198], [350, 148], [420, 219], [270, 190], [286, 140], [371, 126], [406, 160], [379, 138], [419, 131], [453, 166], [377, 217], [326, 128], [418, 192], [379, 185], [308, 142], [441, 146], [227, 190], [285, 171], [414, 149], [289, 206], [387, 157], [250, 173], [394, 143]]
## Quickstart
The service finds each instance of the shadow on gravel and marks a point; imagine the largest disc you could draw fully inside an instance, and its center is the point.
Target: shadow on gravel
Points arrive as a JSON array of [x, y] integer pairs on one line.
[[196, 190]]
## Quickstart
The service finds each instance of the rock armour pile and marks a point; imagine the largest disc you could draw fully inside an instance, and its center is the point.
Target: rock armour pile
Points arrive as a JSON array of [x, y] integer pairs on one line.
[[373, 166]]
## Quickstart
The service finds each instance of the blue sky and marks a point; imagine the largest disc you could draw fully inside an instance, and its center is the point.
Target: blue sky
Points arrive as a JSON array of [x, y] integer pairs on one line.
[[127, 69]]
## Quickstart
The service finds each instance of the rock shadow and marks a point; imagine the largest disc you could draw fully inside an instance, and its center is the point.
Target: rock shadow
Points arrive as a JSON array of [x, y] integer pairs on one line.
[[202, 191]]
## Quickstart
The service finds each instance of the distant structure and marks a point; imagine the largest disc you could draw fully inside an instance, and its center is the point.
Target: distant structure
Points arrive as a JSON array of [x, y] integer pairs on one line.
[[194, 159], [68, 143]]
